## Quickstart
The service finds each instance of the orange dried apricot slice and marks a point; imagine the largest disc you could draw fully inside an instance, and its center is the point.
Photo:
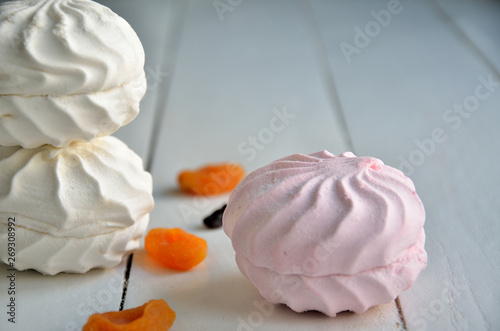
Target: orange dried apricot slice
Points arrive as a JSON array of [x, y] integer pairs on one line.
[[154, 315], [176, 248], [211, 179]]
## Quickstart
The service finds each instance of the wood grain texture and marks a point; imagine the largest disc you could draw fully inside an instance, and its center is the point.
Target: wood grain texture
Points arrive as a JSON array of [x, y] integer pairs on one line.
[[149, 20], [65, 301], [225, 92], [253, 81], [60, 302], [429, 107], [479, 21]]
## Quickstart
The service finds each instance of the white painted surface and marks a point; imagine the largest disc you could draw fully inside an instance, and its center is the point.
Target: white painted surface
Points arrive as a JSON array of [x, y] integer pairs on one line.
[[216, 82], [479, 22]]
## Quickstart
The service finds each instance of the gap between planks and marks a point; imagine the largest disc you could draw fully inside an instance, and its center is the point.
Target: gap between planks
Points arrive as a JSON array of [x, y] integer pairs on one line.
[[401, 313], [338, 111], [463, 35], [173, 35], [173, 38]]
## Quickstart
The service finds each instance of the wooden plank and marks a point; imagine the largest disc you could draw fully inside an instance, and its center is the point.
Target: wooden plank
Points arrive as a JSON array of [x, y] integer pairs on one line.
[[149, 21], [65, 301], [480, 23], [421, 98], [60, 302], [232, 78]]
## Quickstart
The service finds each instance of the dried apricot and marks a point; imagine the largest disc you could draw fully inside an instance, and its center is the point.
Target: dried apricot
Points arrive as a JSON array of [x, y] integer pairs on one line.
[[176, 248], [154, 315], [211, 179]]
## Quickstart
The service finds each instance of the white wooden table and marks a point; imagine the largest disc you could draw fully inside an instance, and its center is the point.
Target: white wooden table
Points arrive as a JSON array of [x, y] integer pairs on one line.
[[415, 83]]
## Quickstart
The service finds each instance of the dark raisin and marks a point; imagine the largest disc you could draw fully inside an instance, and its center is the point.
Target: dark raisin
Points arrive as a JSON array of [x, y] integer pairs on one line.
[[215, 219]]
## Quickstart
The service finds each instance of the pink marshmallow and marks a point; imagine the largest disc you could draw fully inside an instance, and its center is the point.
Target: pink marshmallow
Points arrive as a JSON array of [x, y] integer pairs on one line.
[[327, 233]]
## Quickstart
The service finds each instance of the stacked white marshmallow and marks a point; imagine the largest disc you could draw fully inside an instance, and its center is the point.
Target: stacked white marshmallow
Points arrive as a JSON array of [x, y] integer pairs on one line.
[[70, 69], [72, 73]]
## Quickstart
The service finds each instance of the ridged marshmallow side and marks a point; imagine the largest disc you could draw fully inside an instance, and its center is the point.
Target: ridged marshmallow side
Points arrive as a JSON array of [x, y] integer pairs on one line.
[[60, 47], [59, 120], [76, 208], [82, 190], [51, 255], [319, 215], [336, 293]]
